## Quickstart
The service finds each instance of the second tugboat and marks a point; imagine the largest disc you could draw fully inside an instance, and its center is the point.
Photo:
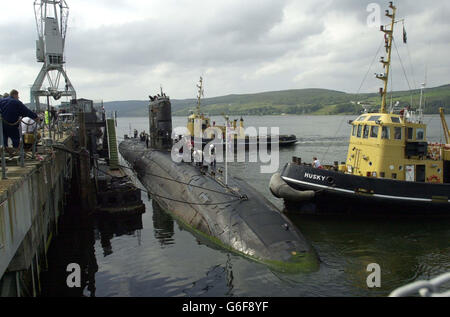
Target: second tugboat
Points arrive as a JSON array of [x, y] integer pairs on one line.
[[390, 167], [239, 137]]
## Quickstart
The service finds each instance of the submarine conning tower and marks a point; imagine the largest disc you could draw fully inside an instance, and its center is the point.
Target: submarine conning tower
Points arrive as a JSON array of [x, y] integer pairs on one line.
[[160, 120]]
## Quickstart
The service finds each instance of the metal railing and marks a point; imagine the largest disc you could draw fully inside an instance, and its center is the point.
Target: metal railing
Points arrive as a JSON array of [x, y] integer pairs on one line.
[[424, 288], [3, 149], [58, 128], [21, 147]]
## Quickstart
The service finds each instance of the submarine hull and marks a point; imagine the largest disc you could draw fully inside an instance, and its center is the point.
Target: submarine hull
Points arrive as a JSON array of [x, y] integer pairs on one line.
[[236, 217]]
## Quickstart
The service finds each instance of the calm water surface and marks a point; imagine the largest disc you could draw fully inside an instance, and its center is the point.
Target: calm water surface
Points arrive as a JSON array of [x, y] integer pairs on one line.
[[153, 256]]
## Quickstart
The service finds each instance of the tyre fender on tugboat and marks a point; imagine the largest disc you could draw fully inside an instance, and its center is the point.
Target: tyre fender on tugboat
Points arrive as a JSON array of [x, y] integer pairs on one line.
[[280, 189]]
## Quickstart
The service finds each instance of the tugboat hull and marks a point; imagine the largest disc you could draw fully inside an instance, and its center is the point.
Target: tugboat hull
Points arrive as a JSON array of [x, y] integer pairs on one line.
[[337, 192], [256, 142]]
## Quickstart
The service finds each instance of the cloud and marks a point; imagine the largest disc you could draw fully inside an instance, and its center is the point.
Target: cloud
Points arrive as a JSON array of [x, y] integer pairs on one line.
[[126, 49]]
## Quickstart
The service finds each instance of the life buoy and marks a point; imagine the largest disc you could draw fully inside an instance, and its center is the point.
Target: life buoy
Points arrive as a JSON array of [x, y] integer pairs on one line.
[[434, 179]]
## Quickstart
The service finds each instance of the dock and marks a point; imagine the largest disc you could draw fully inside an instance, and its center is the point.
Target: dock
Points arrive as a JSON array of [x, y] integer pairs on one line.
[[31, 202], [67, 167]]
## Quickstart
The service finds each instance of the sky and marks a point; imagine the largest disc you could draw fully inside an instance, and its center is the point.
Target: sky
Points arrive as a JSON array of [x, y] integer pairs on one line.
[[127, 49]]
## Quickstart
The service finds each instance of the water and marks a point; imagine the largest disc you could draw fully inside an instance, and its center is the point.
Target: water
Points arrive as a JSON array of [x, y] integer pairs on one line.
[[154, 256]]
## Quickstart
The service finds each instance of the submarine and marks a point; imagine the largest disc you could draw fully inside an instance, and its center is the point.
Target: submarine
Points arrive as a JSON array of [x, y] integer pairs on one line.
[[231, 214]]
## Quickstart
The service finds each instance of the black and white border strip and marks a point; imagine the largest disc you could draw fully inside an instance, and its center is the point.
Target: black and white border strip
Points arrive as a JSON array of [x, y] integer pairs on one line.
[[353, 192]]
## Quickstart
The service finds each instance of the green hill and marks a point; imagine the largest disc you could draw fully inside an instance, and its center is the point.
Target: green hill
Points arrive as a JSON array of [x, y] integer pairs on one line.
[[293, 102]]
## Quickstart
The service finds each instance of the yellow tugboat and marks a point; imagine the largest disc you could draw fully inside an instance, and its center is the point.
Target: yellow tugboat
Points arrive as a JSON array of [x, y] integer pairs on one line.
[[238, 135], [390, 166]]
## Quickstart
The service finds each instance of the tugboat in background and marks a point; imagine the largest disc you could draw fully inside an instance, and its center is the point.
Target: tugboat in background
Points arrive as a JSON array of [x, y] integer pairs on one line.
[[390, 167], [239, 136]]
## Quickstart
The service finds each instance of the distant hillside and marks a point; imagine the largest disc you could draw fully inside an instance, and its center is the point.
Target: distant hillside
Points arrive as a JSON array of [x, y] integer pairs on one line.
[[294, 102], [138, 108]]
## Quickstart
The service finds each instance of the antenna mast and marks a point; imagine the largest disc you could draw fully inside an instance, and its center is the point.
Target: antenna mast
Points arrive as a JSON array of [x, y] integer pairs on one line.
[[200, 94], [51, 22], [389, 36], [423, 86]]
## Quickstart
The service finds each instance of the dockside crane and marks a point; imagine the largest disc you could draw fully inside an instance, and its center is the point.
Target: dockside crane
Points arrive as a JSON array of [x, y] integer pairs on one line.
[[51, 22]]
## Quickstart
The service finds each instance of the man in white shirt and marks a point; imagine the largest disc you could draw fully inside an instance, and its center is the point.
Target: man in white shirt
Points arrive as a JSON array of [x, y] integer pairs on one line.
[[198, 157], [316, 163], [28, 125]]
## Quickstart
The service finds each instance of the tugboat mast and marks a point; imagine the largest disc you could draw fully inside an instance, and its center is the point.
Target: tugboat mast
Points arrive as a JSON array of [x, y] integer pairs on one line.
[[200, 94], [389, 36]]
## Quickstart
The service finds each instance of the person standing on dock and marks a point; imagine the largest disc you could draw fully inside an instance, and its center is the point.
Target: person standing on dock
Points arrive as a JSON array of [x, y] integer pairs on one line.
[[53, 116], [28, 126], [12, 109]]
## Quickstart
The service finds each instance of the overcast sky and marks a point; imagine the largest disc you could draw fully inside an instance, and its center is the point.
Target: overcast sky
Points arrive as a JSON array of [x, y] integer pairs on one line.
[[126, 49]]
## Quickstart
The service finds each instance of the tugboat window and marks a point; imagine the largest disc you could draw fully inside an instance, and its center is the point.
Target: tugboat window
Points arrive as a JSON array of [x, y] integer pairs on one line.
[[410, 133], [394, 176], [398, 133], [366, 132], [361, 118], [354, 130], [374, 132], [386, 133], [420, 134], [359, 131], [395, 120], [374, 118]]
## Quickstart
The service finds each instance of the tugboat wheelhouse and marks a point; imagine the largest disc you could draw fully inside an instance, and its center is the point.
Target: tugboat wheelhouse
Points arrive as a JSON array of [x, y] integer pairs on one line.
[[393, 146]]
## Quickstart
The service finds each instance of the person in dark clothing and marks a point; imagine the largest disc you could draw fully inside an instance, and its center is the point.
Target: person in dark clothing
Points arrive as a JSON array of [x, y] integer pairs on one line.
[[53, 115], [12, 109]]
